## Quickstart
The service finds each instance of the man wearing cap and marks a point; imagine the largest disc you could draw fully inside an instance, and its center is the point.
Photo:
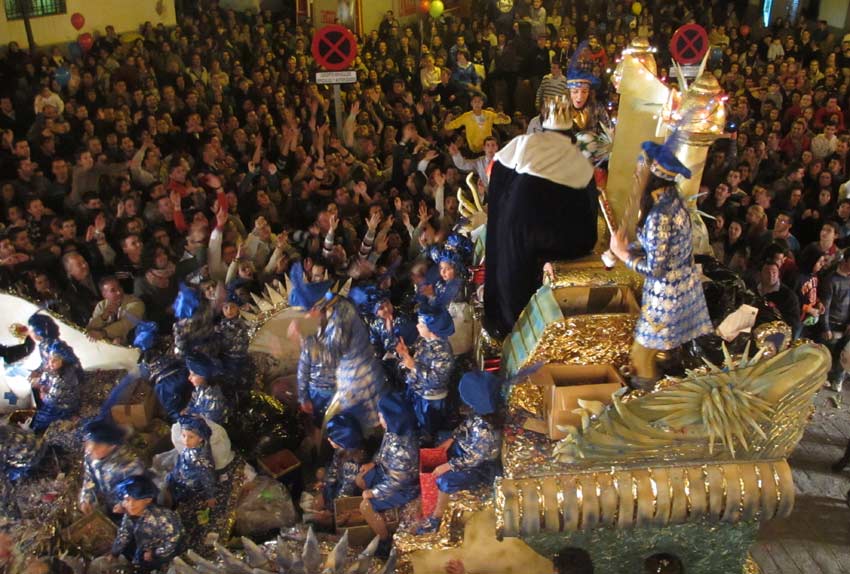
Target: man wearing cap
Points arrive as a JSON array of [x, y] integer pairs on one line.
[[542, 205], [674, 309], [106, 463]]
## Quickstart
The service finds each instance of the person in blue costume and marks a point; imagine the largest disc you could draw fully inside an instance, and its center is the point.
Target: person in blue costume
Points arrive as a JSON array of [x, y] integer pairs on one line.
[[346, 438], [207, 399], [673, 309], [20, 452], [151, 534], [44, 331], [446, 288], [428, 371], [232, 335], [391, 480], [167, 373], [58, 387], [474, 447], [316, 379], [192, 480], [193, 329], [106, 463], [387, 327]]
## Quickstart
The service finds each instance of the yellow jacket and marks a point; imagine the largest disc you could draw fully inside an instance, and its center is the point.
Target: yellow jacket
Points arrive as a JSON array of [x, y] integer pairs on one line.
[[477, 127]]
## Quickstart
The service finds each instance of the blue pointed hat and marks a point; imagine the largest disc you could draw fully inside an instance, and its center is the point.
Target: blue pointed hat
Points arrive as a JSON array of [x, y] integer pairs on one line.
[[138, 487], [345, 431], [145, 335], [439, 322], [102, 431], [195, 424], [480, 390], [303, 294], [579, 73], [663, 162], [201, 365], [397, 413], [186, 303], [367, 298]]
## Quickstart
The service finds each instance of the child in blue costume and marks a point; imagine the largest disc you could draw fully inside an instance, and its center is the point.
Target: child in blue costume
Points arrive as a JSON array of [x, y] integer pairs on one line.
[[346, 438], [106, 463], [192, 480], [166, 373], [446, 288], [156, 533], [232, 335], [386, 329], [428, 371], [20, 452], [207, 400], [475, 446], [58, 387], [193, 329], [391, 480], [44, 331]]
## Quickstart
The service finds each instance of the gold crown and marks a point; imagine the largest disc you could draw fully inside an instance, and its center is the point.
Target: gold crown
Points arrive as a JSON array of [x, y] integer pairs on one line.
[[557, 110]]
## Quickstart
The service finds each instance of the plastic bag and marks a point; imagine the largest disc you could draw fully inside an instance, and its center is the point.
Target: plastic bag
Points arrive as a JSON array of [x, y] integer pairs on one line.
[[265, 506]]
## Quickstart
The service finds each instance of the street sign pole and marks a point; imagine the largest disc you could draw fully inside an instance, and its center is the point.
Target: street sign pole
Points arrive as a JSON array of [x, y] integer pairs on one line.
[[334, 48], [338, 111]]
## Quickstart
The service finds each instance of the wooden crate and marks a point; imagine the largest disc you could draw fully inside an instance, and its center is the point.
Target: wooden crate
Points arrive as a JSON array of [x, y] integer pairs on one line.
[[134, 411], [279, 464]]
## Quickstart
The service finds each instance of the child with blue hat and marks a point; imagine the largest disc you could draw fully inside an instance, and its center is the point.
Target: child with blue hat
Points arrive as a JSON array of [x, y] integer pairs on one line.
[[162, 369], [391, 480], [475, 446], [387, 327], [58, 387], [428, 370], [106, 463], [346, 438], [207, 399], [233, 339], [191, 483], [155, 533]]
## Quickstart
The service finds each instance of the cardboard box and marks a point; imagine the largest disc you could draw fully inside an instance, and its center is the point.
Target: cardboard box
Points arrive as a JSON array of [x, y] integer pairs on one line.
[[93, 534], [347, 516], [429, 460], [563, 386], [136, 407], [279, 463], [596, 300]]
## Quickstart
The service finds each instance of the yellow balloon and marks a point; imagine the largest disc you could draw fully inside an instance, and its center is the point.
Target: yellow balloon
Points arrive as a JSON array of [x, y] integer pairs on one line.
[[436, 8], [637, 8]]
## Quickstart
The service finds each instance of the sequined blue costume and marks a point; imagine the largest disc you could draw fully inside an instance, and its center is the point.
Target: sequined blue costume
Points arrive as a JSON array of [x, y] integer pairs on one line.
[[20, 452], [359, 375], [316, 377], [208, 401], [385, 339], [428, 383], [60, 396], [157, 530], [673, 308], [169, 378], [444, 293], [339, 477], [395, 478], [100, 477], [193, 475], [232, 336], [473, 457]]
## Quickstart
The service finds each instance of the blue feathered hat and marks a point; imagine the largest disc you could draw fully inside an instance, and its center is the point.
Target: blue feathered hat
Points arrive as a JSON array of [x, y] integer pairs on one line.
[[397, 413], [580, 72], [103, 431], [480, 390], [195, 424], [462, 245], [345, 431], [63, 350], [43, 326], [145, 335], [367, 298], [138, 487], [663, 162], [186, 303], [439, 322], [201, 365], [303, 294]]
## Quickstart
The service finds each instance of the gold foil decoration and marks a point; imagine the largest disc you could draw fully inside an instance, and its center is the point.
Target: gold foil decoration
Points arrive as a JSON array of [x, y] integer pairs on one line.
[[768, 335], [529, 397], [586, 273], [587, 340], [750, 566]]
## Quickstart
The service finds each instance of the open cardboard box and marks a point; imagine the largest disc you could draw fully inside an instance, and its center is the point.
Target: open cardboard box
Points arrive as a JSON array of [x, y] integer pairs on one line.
[[136, 406], [596, 300], [563, 386], [347, 516]]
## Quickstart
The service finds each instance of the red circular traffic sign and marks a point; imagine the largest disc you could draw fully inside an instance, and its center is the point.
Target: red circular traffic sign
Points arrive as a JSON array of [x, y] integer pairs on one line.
[[334, 47], [689, 44]]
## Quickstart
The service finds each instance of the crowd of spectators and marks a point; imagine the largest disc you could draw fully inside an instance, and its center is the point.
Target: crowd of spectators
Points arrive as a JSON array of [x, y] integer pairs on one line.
[[206, 154]]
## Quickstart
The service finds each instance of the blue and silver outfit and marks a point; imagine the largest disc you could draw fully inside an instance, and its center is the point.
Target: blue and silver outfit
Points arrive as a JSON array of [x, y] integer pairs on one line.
[[60, 396], [344, 430], [673, 308], [20, 452], [473, 456], [193, 477], [428, 383], [169, 378], [101, 477], [359, 375], [232, 335], [157, 530], [384, 339], [208, 401], [316, 377]]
